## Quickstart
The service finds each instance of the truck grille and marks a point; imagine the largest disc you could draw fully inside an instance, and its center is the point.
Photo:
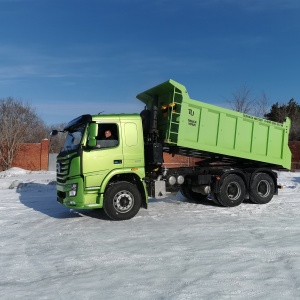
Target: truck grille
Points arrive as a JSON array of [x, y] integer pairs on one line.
[[62, 169]]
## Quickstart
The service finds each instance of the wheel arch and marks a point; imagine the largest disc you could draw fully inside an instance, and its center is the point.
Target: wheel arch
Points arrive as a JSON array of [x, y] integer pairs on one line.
[[130, 177], [237, 172]]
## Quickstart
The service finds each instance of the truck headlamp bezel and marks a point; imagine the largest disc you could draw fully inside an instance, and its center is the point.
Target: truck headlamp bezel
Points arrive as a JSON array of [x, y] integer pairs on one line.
[[73, 189]]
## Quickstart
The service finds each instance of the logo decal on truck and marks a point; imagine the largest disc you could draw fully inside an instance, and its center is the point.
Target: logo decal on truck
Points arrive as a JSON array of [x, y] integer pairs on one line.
[[192, 122]]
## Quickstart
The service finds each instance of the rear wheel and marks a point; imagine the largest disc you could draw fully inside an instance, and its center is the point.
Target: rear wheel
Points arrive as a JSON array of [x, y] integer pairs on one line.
[[187, 192], [232, 191], [262, 188], [122, 201], [214, 199]]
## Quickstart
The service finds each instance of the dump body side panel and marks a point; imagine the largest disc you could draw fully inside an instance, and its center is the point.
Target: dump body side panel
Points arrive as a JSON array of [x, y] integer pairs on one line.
[[192, 124], [213, 129]]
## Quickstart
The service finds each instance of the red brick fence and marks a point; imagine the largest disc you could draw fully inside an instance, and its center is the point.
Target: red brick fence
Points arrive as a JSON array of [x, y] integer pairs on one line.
[[35, 157], [295, 149]]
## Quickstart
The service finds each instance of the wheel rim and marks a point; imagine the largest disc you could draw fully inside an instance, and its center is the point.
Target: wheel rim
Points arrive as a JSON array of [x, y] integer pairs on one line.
[[263, 188], [234, 191], [123, 201]]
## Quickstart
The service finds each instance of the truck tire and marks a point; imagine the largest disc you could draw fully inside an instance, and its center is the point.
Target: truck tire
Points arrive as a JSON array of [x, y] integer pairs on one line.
[[214, 199], [261, 188], [187, 192], [232, 192], [122, 201]]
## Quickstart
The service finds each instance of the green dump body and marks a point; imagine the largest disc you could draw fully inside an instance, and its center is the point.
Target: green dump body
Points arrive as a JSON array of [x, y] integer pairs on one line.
[[204, 128]]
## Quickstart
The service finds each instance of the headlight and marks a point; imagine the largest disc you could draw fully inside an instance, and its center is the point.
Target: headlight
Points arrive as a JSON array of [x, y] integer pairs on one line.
[[73, 191]]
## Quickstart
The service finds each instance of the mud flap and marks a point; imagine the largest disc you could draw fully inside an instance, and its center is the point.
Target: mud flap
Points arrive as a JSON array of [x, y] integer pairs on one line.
[[160, 189]]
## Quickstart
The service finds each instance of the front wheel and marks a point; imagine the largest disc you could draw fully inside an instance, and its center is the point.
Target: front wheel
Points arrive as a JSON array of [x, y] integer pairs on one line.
[[122, 201], [262, 188]]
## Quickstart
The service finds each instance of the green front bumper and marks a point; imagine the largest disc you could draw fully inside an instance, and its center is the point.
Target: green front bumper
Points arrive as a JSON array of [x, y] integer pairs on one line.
[[81, 200]]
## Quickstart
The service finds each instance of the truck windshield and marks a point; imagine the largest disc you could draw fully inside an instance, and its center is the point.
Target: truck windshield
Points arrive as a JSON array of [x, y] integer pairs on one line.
[[73, 139]]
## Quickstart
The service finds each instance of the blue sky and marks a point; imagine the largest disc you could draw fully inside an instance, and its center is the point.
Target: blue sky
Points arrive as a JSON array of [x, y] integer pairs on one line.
[[71, 57]]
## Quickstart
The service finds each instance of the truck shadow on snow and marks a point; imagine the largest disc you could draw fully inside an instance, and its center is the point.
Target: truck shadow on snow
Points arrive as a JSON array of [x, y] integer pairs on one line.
[[296, 179], [42, 198], [179, 198]]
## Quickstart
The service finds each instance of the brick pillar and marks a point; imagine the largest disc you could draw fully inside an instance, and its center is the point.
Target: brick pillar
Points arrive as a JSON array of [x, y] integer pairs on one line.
[[44, 154]]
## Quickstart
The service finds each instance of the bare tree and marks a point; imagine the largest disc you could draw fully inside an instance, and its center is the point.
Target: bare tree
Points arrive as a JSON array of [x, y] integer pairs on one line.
[[242, 100], [57, 141], [261, 106], [18, 124]]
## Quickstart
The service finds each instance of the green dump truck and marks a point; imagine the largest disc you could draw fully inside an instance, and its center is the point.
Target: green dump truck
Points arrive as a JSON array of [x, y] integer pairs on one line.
[[238, 155]]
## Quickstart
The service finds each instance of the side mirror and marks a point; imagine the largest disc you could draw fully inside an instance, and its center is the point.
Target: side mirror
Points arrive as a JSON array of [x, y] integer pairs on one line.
[[93, 132], [54, 132]]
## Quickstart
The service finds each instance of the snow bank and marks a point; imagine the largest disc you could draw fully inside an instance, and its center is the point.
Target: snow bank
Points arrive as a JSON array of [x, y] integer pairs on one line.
[[13, 177]]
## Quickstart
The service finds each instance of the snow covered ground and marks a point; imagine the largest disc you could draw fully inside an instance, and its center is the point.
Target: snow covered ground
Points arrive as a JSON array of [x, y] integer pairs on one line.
[[177, 249]]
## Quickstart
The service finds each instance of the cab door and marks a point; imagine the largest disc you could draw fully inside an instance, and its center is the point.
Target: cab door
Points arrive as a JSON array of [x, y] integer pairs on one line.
[[99, 161]]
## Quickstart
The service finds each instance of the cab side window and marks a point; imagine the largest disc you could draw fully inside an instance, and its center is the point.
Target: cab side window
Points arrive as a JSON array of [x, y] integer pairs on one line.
[[107, 135]]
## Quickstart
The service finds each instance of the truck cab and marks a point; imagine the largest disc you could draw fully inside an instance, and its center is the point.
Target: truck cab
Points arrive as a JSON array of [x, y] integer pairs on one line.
[[89, 166]]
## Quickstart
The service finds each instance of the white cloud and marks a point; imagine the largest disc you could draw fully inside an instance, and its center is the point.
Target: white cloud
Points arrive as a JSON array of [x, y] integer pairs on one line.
[[24, 62]]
